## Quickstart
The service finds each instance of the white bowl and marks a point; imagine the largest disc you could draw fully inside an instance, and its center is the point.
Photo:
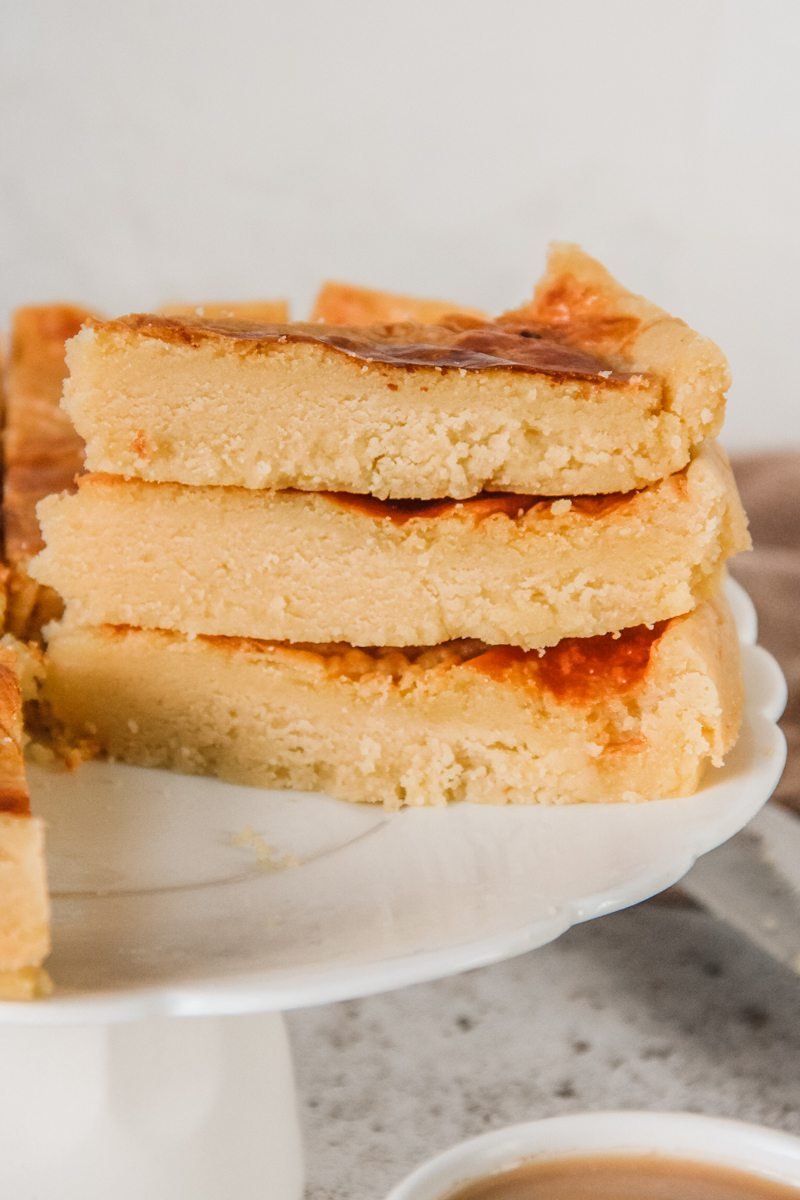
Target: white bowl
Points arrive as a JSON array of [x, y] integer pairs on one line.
[[764, 1153]]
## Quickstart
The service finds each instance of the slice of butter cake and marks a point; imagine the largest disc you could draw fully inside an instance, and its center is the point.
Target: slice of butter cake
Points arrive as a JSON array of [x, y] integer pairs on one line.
[[588, 389], [315, 567], [632, 717], [24, 908], [42, 453]]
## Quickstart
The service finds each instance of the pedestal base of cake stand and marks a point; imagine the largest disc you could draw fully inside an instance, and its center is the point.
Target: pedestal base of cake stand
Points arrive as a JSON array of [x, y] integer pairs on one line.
[[184, 1107]]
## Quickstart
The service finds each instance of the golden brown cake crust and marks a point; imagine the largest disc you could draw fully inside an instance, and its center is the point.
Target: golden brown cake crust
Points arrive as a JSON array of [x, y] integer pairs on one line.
[[579, 672], [479, 347], [476, 508], [579, 300]]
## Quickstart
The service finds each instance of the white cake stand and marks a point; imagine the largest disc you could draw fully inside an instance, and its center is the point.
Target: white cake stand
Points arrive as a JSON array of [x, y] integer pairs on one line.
[[182, 897]]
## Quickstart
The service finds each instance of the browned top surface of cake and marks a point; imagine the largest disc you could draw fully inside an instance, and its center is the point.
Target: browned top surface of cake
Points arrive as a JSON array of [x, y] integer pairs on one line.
[[400, 512], [579, 671], [578, 310], [487, 504], [463, 344]]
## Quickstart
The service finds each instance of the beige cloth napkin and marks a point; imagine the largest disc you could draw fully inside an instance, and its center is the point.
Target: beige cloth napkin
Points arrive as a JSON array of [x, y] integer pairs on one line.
[[770, 487]]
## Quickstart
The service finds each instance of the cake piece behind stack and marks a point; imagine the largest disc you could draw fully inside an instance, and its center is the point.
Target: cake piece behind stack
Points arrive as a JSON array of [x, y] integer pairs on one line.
[[345, 304], [42, 453], [237, 310]]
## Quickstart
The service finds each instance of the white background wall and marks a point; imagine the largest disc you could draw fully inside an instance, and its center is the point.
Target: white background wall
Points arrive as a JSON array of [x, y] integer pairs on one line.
[[195, 150]]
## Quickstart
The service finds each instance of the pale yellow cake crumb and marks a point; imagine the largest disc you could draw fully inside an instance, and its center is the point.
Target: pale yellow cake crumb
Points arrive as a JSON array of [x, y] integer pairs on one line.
[[267, 855]]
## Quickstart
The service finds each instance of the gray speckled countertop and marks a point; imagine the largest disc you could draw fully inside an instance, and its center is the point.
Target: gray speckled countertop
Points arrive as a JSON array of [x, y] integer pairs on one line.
[[657, 1007]]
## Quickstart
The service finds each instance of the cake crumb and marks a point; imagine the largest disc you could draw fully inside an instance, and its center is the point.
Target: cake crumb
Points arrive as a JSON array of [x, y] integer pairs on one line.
[[267, 856], [43, 756]]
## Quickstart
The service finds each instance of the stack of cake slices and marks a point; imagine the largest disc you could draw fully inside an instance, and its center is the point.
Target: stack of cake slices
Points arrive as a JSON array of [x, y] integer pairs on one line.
[[403, 553]]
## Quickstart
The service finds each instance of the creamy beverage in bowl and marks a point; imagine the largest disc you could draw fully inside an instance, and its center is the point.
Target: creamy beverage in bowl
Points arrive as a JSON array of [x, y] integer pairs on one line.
[[615, 1156], [624, 1177]]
